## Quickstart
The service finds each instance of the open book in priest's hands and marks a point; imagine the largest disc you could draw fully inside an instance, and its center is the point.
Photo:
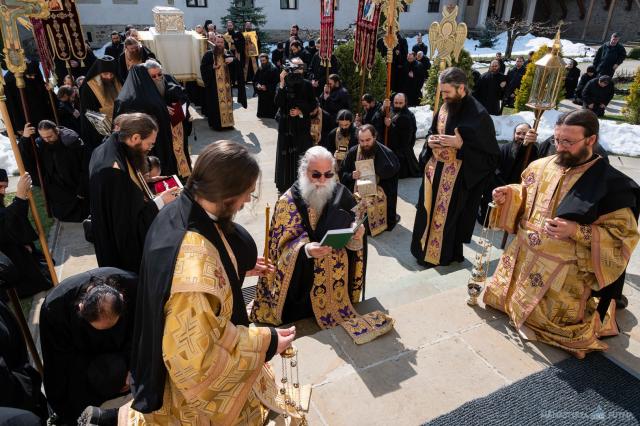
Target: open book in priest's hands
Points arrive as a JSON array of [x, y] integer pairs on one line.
[[338, 238]]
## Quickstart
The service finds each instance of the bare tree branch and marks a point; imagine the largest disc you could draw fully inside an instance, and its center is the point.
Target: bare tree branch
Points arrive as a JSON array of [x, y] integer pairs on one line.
[[520, 27]]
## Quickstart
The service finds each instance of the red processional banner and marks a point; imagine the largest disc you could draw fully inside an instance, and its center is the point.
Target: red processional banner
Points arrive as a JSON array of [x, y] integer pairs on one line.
[[61, 32], [364, 51], [327, 19]]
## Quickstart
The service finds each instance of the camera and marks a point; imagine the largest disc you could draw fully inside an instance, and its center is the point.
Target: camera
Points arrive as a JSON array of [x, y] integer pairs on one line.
[[291, 67]]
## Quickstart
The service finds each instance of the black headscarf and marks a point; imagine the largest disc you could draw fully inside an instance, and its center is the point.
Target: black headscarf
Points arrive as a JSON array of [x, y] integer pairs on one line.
[[105, 64], [140, 94], [3, 176]]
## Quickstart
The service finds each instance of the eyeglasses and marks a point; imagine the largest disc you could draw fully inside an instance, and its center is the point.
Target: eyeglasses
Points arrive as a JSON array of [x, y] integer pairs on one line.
[[567, 143], [318, 175], [156, 76]]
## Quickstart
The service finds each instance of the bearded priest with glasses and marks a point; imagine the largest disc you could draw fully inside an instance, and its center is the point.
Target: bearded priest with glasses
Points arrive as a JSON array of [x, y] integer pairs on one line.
[[576, 223], [312, 279]]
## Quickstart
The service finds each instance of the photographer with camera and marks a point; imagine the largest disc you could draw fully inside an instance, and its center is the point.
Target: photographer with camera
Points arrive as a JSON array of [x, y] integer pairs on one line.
[[295, 101]]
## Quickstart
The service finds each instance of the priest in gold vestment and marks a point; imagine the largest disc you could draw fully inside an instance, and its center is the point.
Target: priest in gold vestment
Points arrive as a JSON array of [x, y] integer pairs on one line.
[[219, 69], [197, 359], [575, 222], [311, 279]]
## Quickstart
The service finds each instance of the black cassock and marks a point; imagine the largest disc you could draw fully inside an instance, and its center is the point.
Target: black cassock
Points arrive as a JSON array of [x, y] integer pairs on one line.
[[294, 134], [16, 234], [375, 117], [387, 166], [479, 155], [120, 212], [20, 381], [235, 73], [317, 71], [268, 76], [85, 366], [37, 99], [238, 48], [140, 94], [337, 100], [123, 72], [488, 91], [571, 82], [411, 84], [62, 165], [401, 140], [329, 141]]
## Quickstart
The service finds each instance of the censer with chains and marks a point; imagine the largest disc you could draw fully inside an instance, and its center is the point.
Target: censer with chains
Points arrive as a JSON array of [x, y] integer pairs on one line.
[[290, 390], [476, 282]]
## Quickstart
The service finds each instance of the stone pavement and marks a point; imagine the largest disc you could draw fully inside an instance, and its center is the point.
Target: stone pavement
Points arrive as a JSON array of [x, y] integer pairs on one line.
[[441, 353]]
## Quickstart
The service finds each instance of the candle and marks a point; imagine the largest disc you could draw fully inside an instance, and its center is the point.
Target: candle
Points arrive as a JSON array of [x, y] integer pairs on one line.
[[266, 234]]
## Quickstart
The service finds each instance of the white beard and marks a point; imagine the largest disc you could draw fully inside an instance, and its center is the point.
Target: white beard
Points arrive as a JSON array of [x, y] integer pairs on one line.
[[316, 197]]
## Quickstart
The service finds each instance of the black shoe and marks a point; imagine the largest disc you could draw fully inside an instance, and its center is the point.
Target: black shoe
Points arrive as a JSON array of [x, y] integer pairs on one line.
[[99, 417], [622, 302]]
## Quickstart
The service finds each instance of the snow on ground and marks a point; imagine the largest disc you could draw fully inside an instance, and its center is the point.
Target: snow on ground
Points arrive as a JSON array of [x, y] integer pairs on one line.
[[616, 138], [522, 46], [7, 160]]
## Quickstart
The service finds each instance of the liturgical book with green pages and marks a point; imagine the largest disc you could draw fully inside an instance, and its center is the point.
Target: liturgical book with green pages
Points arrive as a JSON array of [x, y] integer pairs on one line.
[[338, 238]]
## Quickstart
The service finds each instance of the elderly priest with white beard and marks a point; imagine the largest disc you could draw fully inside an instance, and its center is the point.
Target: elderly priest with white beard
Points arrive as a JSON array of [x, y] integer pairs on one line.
[[310, 278]]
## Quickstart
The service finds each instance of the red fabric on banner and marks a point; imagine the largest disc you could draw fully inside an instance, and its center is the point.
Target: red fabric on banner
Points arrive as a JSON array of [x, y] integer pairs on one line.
[[327, 19], [63, 32], [46, 60], [364, 52]]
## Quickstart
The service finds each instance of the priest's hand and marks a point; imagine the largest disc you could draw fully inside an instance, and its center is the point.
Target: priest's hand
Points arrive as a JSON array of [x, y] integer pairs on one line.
[[317, 251], [530, 137], [24, 186], [294, 112], [454, 141], [358, 120], [262, 268], [314, 83], [560, 229], [283, 74], [28, 130], [355, 174], [229, 60], [170, 195], [327, 91], [285, 337], [171, 111], [500, 195], [434, 141], [359, 232]]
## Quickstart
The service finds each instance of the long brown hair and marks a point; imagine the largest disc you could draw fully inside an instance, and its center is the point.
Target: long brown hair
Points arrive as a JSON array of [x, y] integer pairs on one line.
[[136, 123], [223, 171]]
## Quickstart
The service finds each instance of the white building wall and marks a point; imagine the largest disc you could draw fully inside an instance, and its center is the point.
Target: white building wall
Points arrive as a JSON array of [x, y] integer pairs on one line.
[[105, 12]]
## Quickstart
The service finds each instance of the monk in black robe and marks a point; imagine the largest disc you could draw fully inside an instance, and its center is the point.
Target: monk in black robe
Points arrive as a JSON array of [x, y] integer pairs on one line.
[[373, 114], [402, 137], [399, 60], [459, 159], [235, 43], [98, 93], [134, 53], [17, 238], [318, 72], [339, 140], [386, 166], [219, 69], [61, 154], [86, 324], [140, 94], [265, 82], [413, 80], [122, 208], [21, 382], [514, 79], [295, 101], [36, 95], [489, 88]]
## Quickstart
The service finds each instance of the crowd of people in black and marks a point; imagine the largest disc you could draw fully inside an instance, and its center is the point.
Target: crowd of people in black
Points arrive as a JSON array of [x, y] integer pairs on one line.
[[86, 322]]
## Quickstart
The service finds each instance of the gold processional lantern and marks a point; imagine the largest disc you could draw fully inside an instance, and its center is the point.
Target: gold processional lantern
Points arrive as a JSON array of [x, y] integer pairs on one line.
[[547, 81]]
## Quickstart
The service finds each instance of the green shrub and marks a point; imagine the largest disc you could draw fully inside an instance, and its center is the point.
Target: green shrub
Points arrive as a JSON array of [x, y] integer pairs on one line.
[[376, 84], [522, 94], [464, 62], [634, 53], [632, 110]]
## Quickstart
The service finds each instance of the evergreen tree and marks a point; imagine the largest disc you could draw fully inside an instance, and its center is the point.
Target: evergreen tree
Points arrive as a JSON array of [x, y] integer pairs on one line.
[[632, 110], [376, 84], [241, 11]]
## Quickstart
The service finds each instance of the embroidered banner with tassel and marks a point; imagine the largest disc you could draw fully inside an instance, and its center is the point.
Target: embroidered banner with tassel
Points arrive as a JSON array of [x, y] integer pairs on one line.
[[364, 51], [327, 20], [63, 32]]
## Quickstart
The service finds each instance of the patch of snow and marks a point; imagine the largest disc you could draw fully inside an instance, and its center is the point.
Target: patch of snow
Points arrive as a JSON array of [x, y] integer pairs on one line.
[[7, 160], [522, 46], [617, 138]]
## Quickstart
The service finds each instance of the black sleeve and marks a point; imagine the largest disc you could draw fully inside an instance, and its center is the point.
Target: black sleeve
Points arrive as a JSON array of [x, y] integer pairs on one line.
[[273, 345], [387, 164], [598, 57], [346, 169], [206, 68]]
